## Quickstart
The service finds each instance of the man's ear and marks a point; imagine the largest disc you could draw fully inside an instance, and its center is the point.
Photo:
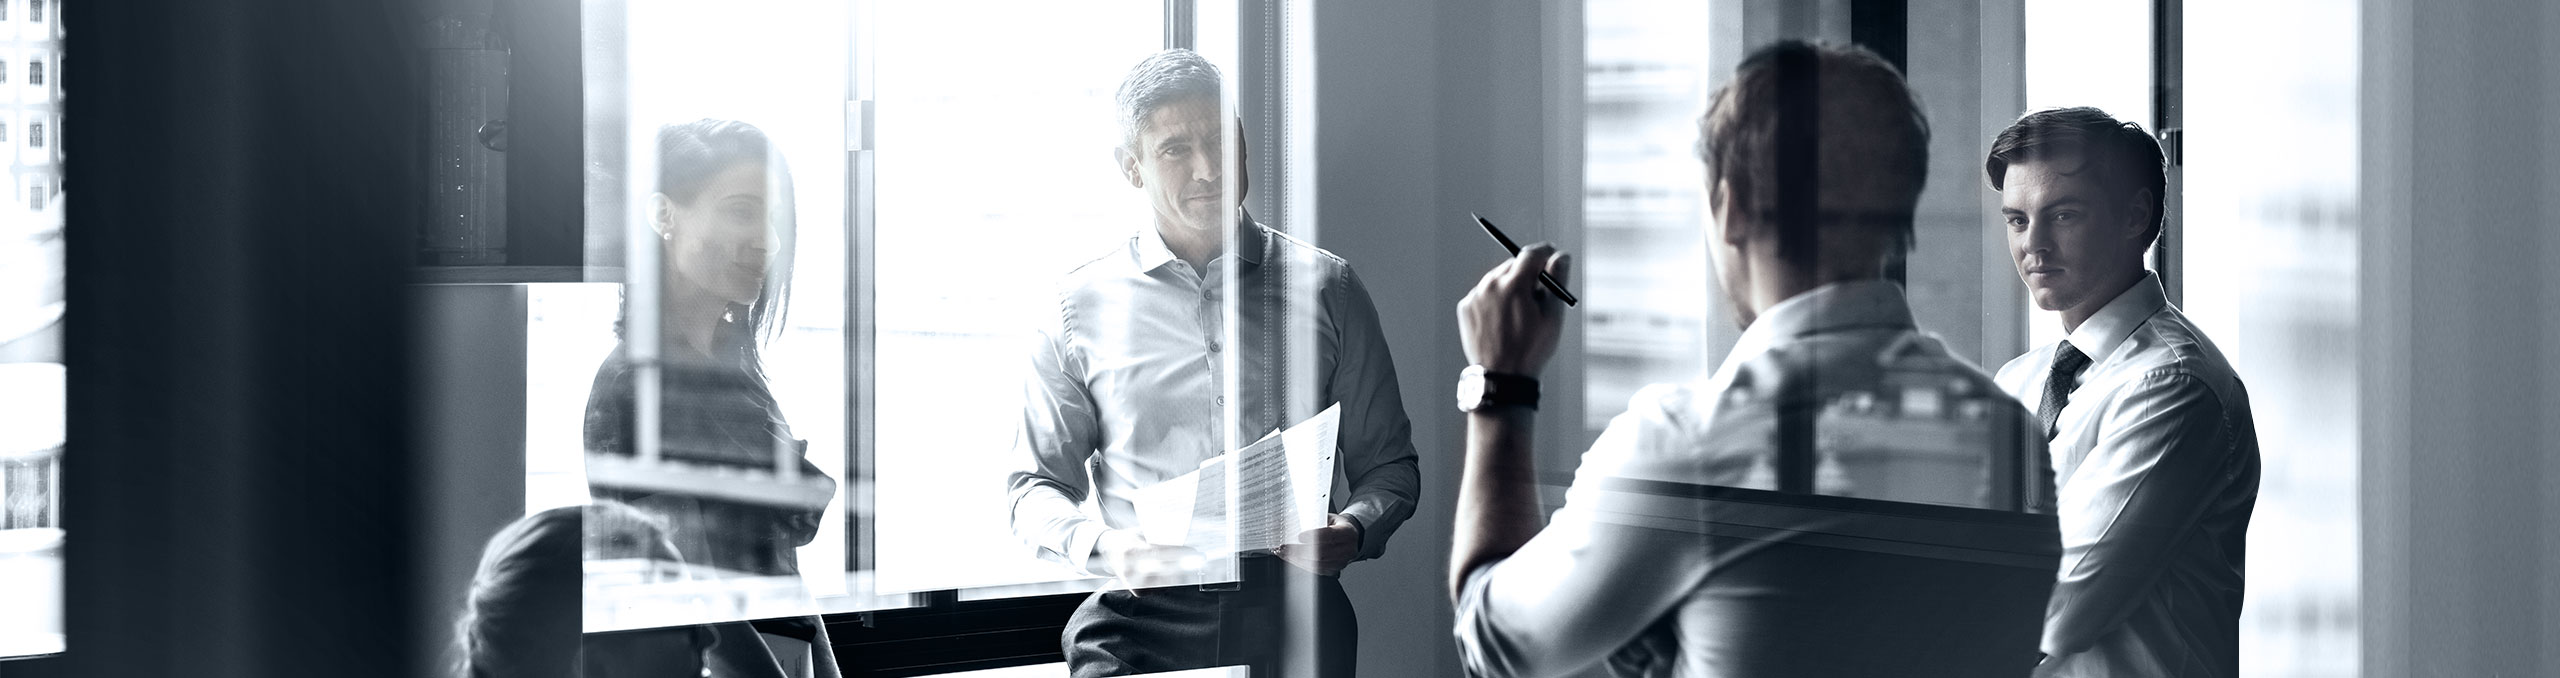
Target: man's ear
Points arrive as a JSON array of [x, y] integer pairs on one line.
[[1244, 163], [1722, 208], [2141, 212], [1128, 166]]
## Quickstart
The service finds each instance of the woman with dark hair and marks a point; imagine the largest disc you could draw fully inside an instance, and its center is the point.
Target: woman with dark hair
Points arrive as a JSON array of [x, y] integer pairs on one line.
[[747, 494]]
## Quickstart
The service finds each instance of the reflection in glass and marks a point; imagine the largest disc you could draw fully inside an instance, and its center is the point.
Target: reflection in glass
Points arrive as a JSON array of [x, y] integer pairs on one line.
[[684, 425], [726, 473], [715, 166]]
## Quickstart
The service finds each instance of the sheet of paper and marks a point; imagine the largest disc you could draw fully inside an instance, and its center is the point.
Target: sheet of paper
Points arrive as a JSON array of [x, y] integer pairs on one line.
[[1285, 487]]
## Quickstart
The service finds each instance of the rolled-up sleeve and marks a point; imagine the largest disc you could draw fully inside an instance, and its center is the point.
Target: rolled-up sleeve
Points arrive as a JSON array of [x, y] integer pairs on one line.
[[1377, 438], [2163, 450], [1594, 583], [1052, 444]]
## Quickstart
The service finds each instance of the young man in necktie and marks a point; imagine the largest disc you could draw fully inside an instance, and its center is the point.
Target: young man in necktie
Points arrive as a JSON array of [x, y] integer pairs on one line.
[[2153, 453]]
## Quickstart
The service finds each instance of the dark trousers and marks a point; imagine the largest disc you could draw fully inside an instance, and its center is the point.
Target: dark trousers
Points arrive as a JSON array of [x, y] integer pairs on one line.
[[1280, 620]]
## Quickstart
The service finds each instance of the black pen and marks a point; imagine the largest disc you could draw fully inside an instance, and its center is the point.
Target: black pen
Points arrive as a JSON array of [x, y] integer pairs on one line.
[[1552, 285]]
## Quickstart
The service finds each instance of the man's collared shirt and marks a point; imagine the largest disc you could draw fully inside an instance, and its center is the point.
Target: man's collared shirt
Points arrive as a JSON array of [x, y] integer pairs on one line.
[[1128, 384], [1604, 580], [2155, 463]]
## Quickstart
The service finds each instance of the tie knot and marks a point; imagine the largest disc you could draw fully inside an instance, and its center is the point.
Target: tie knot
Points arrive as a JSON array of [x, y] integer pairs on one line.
[[2068, 359]]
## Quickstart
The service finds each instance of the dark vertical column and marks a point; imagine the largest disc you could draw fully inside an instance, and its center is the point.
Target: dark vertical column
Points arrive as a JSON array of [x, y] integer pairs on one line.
[[545, 143], [1179, 23], [1261, 87], [2168, 87], [1883, 26], [235, 457]]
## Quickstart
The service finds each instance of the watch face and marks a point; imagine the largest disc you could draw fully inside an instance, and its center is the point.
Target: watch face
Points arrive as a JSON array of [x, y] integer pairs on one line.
[[1470, 391]]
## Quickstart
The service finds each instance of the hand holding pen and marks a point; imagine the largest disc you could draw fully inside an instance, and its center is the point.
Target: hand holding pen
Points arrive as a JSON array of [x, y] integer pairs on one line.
[[1510, 323]]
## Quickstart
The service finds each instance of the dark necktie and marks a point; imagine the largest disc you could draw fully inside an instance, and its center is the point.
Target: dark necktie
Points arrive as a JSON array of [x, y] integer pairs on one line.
[[2067, 364]]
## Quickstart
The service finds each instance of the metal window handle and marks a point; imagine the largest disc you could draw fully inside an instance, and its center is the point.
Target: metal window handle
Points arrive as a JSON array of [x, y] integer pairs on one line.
[[493, 135]]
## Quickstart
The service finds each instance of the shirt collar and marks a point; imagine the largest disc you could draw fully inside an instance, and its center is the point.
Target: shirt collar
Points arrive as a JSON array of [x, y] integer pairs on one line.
[[1152, 253], [2116, 321], [1833, 307]]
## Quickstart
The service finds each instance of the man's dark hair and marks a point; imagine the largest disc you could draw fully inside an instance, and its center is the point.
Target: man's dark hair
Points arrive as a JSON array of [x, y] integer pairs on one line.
[[1810, 135], [2125, 158]]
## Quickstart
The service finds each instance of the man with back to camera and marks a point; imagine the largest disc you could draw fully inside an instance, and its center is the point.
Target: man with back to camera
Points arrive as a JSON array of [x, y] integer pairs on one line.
[[2154, 454], [1815, 159], [1128, 375]]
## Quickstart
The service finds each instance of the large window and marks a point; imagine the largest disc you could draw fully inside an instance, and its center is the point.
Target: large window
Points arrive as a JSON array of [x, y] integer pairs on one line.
[[1645, 81], [2086, 54], [32, 383], [2270, 256], [995, 178]]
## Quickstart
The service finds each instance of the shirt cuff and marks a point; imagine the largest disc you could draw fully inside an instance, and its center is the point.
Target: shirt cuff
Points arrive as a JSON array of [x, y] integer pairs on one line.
[[1365, 514], [1080, 545]]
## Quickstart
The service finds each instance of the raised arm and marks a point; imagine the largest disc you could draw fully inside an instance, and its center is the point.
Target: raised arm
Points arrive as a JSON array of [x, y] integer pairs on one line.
[[1510, 326]]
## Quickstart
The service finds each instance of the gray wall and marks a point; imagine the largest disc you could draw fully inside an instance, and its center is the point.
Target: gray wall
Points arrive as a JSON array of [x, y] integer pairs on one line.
[[1378, 192], [2461, 271], [468, 470], [1427, 111]]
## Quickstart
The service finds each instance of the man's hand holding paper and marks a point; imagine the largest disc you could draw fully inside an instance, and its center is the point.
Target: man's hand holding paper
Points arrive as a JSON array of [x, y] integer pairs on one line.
[[1324, 550], [1283, 482]]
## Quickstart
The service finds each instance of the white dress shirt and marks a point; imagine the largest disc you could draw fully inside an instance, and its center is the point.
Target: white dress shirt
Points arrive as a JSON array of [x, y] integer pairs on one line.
[[1610, 578], [2155, 462], [1127, 384]]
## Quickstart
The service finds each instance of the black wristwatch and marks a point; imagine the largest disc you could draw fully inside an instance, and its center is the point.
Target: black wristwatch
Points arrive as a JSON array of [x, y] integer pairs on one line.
[[1479, 389]]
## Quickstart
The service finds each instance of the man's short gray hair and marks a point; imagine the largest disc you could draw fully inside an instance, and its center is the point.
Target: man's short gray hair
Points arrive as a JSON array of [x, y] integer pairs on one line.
[[1168, 76]]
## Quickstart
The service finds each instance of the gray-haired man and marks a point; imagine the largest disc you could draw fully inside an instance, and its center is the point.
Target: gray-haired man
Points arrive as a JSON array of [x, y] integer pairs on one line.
[[1129, 378]]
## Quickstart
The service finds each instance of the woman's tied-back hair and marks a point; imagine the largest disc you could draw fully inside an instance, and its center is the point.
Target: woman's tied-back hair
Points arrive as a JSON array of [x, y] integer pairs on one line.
[[689, 155], [1170, 76], [2125, 158], [1812, 136]]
